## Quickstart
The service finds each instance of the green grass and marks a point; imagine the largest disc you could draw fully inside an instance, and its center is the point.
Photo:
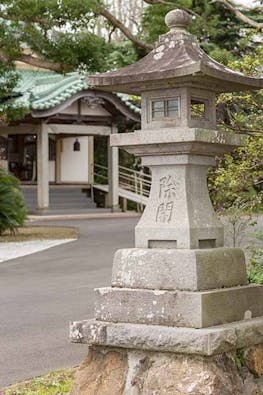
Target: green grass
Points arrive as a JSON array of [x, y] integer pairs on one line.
[[54, 383], [28, 233]]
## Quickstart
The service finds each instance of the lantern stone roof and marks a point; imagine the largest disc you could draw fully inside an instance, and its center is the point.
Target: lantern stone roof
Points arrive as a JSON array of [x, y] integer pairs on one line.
[[43, 90], [176, 59]]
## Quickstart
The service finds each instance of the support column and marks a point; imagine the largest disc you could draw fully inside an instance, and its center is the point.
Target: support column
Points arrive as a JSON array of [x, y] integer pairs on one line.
[[113, 174], [59, 143], [91, 159], [42, 168]]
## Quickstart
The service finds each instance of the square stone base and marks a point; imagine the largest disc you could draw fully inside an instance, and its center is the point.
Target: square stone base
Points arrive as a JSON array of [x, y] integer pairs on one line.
[[207, 341], [179, 308], [185, 270]]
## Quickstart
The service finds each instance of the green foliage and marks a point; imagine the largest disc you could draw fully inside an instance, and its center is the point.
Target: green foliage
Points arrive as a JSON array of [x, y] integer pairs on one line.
[[54, 31], [53, 383], [122, 54], [238, 179], [255, 268], [243, 110], [62, 31], [219, 32], [255, 274], [238, 359], [8, 82], [12, 210]]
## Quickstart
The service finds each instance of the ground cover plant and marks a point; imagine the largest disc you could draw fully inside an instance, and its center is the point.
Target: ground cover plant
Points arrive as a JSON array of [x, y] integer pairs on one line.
[[54, 383]]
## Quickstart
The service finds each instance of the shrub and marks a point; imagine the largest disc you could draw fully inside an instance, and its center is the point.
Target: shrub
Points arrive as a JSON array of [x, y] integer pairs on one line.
[[12, 209], [255, 267]]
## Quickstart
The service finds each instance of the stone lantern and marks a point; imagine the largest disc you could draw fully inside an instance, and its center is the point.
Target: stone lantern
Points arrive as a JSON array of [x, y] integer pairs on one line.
[[179, 290]]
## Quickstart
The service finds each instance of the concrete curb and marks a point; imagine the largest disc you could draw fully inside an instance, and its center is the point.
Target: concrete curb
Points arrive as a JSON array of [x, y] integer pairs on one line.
[[33, 218]]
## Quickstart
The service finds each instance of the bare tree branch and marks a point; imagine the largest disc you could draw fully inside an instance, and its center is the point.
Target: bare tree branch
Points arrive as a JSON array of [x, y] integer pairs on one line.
[[3, 57], [127, 33], [37, 62], [19, 18], [43, 63], [242, 17]]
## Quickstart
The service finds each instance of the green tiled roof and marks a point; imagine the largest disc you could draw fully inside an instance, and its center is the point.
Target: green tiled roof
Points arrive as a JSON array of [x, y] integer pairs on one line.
[[42, 90], [125, 98]]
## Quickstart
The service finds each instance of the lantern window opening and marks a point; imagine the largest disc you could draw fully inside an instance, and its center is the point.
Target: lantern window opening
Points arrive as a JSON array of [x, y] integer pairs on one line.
[[199, 109], [165, 108]]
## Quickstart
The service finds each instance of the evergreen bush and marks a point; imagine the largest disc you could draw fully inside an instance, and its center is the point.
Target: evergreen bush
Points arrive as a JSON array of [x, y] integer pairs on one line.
[[12, 209]]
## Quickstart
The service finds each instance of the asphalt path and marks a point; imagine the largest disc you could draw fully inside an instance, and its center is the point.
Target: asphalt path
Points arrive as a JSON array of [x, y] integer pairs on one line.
[[41, 293]]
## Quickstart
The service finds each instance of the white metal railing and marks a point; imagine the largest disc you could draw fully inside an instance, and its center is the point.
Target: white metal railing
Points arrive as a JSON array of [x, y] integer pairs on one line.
[[131, 180], [100, 174], [135, 181]]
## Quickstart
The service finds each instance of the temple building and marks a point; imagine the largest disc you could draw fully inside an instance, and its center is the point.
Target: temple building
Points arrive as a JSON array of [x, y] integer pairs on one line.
[[53, 145]]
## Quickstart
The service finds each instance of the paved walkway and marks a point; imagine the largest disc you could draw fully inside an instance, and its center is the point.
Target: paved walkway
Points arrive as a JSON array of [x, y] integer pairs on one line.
[[41, 293], [22, 248]]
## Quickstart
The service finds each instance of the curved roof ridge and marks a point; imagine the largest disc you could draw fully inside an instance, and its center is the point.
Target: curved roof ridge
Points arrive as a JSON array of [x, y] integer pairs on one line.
[[44, 90], [56, 90]]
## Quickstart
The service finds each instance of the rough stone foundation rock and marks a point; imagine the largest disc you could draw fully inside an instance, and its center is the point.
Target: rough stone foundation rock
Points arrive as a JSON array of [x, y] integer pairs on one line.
[[253, 358], [176, 375], [252, 385], [103, 372], [113, 371]]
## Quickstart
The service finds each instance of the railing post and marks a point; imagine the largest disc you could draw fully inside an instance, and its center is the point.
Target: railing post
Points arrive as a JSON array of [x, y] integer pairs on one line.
[[141, 188], [137, 189]]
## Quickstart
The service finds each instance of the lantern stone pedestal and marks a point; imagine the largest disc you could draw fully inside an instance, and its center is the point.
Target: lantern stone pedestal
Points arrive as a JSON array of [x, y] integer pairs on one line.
[[177, 311], [180, 306]]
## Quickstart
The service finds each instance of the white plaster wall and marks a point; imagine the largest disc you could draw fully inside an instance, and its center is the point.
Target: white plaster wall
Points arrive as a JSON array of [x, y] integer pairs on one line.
[[51, 170], [75, 164], [86, 110]]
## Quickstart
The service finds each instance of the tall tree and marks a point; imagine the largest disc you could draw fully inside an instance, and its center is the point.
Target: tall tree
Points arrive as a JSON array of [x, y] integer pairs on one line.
[[220, 33], [60, 33]]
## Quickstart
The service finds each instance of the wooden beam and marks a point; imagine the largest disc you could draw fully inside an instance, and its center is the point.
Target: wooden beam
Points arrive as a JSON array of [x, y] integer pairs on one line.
[[20, 129], [79, 130]]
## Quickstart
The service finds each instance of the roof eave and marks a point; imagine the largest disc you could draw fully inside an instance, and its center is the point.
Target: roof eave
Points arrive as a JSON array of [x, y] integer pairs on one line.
[[138, 83], [232, 81]]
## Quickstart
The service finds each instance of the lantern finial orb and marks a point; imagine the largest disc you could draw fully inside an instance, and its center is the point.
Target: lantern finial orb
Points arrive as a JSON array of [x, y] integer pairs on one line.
[[177, 19]]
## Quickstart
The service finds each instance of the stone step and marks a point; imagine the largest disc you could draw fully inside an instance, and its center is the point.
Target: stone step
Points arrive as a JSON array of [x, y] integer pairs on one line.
[[68, 206], [179, 308], [61, 199], [56, 195]]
